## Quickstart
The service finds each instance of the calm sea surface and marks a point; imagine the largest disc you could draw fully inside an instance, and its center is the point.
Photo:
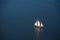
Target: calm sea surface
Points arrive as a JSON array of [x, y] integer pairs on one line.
[[18, 18]]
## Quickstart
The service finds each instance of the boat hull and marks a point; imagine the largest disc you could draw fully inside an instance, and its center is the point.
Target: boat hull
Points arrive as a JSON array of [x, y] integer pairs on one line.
[[38, 27]]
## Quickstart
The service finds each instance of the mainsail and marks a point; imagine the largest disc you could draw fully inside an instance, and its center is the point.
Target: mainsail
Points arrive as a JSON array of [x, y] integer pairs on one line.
[[38, 24]]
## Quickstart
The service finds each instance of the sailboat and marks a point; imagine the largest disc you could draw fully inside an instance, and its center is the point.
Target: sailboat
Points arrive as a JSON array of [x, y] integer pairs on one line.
[[38, 24]]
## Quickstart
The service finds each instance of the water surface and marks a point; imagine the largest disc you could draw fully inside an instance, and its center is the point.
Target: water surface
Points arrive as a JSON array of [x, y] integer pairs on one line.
[[18, 18]]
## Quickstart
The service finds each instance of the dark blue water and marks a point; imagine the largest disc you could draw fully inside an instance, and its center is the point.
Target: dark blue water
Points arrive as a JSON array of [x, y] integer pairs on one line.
[[18, 18]]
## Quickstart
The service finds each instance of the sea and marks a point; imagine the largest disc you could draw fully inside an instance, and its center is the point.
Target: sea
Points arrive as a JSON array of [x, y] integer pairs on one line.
[[18, 18]]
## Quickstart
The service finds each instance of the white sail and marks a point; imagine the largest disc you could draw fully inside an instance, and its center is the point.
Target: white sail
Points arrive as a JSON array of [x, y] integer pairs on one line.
[[41, 25], [35, 23], [38, 24]]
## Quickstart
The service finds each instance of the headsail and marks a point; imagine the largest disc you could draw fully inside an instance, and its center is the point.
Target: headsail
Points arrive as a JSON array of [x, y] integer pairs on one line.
[[35, 23]]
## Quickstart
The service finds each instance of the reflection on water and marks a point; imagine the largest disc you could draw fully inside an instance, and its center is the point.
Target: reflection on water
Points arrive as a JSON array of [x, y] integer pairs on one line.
[[38, 34], [38, 30]]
